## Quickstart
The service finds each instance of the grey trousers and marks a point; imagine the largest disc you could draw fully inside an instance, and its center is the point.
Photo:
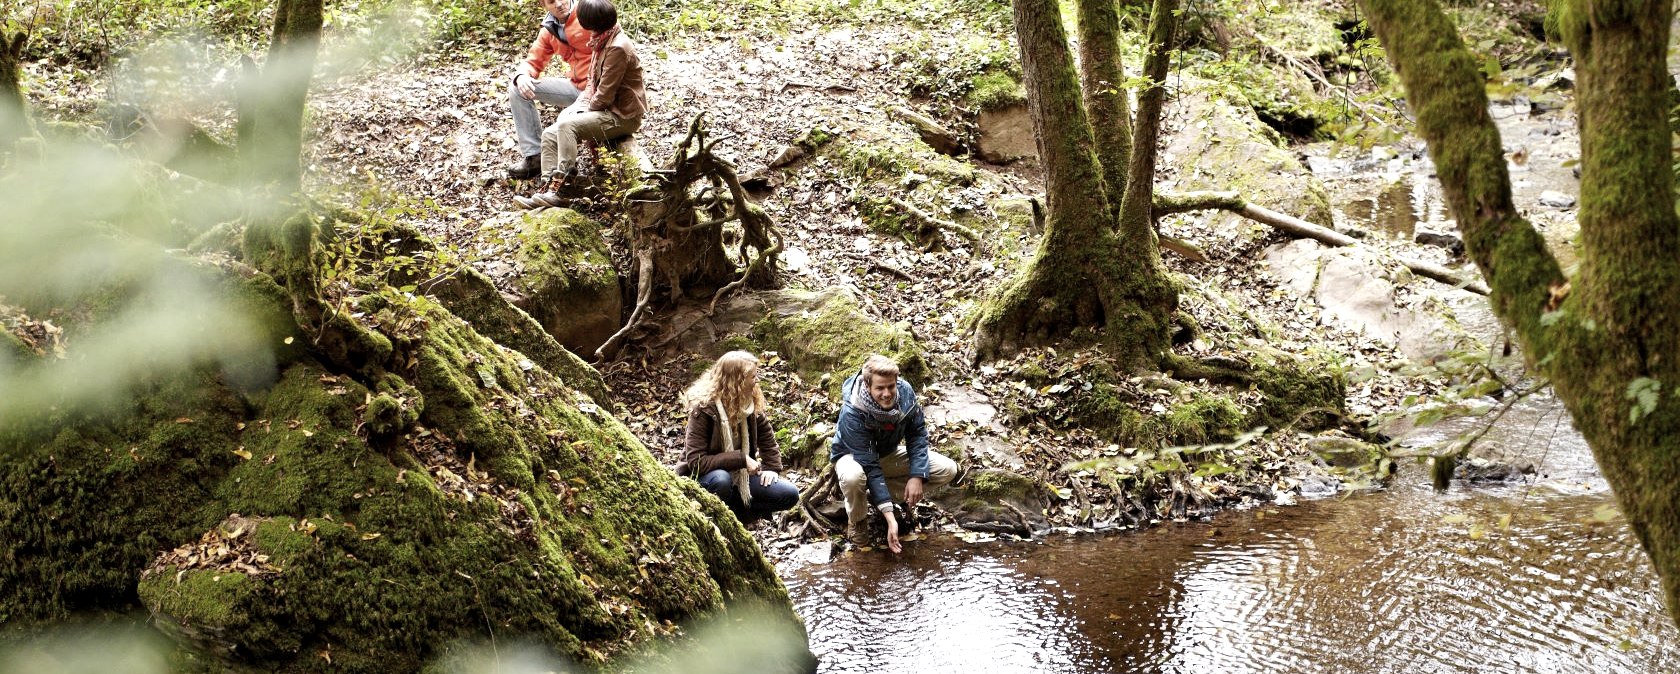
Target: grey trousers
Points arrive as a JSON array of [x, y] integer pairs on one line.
[[560, 139], [527, 121]]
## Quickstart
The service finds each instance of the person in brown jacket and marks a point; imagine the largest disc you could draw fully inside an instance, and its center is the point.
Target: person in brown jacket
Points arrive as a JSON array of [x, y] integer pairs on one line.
[[730, 447], [610, 107]]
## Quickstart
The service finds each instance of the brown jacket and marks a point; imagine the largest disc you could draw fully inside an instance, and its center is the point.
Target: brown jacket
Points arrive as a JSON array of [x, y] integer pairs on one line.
[[703, 449], [615, 81]]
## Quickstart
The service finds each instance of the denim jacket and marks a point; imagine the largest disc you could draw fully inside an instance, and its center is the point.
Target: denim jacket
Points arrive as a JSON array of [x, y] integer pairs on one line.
[[857, 434]]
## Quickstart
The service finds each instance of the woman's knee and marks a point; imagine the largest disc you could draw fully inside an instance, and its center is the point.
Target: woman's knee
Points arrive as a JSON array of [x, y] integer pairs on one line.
[[717, 481]]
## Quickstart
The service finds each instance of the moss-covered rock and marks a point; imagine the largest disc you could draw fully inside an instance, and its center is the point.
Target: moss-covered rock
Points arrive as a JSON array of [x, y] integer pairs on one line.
[[831, 340], [509, 505], [569, 284], [997, 500], [1226, 147]]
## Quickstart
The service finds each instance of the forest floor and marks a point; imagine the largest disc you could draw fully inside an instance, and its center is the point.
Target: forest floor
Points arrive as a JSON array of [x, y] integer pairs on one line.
[[438, 134], [444, 135]]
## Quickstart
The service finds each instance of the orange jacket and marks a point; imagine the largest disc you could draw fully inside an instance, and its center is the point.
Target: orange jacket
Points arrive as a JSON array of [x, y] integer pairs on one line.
[[574, 50]]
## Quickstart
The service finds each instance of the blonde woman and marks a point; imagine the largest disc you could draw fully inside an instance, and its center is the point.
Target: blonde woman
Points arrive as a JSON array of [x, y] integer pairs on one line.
[[730, 446]]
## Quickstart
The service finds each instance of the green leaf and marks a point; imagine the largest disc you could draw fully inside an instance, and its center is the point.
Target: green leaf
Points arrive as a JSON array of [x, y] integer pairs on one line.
[[1644, 392]]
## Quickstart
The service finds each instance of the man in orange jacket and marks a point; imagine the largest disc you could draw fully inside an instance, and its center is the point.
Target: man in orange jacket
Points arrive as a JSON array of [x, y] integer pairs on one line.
[[560, 34]]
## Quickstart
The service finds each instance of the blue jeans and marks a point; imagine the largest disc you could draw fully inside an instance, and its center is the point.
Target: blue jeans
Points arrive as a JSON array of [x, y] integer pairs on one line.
[[766, 499], [527, 122]]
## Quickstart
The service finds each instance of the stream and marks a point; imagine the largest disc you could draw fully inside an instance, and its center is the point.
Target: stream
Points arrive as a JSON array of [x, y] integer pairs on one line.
[[1536, 577], [1542, 575]]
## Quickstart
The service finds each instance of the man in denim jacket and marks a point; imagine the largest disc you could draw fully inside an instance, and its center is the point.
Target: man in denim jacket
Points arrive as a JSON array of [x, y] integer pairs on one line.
[[878, 413]]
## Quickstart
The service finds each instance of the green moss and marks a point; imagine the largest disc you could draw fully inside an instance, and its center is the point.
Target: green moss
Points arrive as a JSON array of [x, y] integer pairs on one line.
[[992, 484], [834, 340], [1302, 391], [13, 348], [561, 249], [504, 508], [1203, 418], [199, 596], [994, 90], [973, 72], [872, 157]]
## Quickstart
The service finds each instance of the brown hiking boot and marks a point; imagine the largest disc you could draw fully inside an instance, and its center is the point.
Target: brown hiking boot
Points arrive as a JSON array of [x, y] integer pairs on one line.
[[857, 535], [549, 195]]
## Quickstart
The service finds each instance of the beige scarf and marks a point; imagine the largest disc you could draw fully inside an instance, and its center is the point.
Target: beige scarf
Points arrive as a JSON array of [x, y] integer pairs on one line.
[[741, 478]]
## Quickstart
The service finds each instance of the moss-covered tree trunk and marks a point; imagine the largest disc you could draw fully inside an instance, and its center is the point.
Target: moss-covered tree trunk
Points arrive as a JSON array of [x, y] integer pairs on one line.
[[1103, 72], [1608, 337], [1083, 276], [12, 106], [271, 106], [1137, 219]]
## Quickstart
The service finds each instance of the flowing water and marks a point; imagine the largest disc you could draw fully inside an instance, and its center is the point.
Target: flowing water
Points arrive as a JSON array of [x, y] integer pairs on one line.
[[1543, 576]]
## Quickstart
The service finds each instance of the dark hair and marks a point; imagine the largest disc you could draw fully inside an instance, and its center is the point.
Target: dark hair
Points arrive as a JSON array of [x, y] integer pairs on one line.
[[597, 15]]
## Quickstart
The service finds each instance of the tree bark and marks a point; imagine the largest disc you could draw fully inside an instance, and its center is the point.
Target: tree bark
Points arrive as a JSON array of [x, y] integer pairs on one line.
[[1105, 99], [1606, 338], [271, 106], [13, 109], [1081, 276], [1137, 223]]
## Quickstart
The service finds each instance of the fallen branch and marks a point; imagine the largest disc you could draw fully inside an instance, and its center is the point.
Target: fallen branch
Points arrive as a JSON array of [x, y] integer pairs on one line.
[[929, 219], [877, 266], [1167, 204]]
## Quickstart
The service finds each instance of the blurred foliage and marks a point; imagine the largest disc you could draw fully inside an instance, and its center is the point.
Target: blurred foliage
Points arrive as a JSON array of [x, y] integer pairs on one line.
[[742, 639]]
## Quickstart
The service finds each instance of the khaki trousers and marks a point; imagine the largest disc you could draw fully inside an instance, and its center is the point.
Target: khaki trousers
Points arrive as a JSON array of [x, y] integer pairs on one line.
[[895, 467], [560, 139]]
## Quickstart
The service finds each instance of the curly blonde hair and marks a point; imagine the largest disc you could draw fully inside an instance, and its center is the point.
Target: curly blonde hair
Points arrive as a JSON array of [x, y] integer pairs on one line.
[[733, 380]]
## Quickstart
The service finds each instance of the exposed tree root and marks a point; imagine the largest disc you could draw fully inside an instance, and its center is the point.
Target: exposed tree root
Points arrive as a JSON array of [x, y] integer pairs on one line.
[[676, 232]]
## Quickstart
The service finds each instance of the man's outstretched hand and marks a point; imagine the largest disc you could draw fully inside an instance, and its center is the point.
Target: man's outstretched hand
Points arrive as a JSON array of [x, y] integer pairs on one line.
[[892, 535]]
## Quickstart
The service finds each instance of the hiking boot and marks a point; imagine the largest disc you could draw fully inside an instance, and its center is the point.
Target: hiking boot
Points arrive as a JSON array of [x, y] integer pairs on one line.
[[547, 196], [857, 535], [525, 169]]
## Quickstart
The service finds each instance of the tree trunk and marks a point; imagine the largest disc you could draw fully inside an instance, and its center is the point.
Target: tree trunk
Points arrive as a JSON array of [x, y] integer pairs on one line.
[[13, 109], [271, 106], [1606, 338], [1105, 99], [1080, 276], [1137, 221]]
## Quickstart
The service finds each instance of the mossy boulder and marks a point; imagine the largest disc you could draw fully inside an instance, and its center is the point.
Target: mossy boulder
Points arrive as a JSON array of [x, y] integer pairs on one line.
[[1225, 146], [569, 284], [510, 506], [827, 335], [997, 500]]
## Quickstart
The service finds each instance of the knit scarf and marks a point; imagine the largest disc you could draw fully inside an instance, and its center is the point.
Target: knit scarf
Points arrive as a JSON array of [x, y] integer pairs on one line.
[[865, 403], [741, 478]]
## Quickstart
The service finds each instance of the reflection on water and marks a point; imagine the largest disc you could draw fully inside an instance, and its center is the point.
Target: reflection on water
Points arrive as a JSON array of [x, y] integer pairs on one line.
[[1518, 578]]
